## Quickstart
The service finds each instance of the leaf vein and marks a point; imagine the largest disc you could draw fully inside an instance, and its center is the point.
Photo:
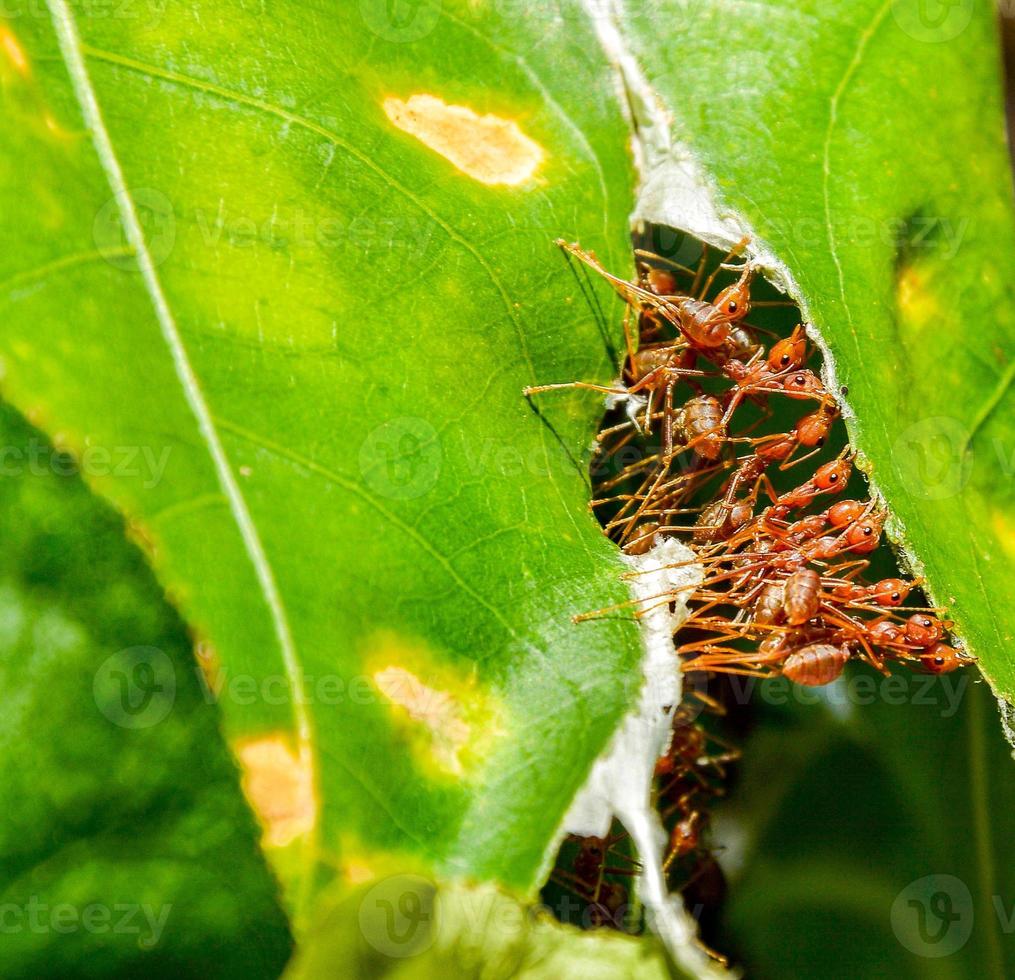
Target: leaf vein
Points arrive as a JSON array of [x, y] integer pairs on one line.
[[72, 50], [357, 490], [993, 400], [303, 122], [40, 272]]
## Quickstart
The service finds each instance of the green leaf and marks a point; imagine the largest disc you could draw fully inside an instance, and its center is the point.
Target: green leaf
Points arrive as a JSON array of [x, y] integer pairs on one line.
[[289, 340], [875, 839], [867, 152], [406, 926], [126, 846], [287, 268]]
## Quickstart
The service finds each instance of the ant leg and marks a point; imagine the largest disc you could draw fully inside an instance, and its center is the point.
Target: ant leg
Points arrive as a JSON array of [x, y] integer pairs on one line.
[[628, 291], [789, 462], [855, 567], [537, 389], [755, 329], [668, 372], [597, 613], [871, 658], [699, 272], [732, 489], [574, 884], [660, 599], [642, 494], [740, 671], [765, 483], [764, 416], [738, 396], [639, 513], [733, 253], [613, 430], [648, 492], [628, 339], [647, 428], [668, 420], [643, 253]]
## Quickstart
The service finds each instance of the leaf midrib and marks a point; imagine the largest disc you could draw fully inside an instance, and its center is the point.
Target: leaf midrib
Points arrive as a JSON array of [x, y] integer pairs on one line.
[[72, 51]]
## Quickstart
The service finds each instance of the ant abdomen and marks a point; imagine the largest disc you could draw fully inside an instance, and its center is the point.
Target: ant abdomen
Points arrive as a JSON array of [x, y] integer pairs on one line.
[[701, 426], [768, 609], [816, 664], [802, 596]]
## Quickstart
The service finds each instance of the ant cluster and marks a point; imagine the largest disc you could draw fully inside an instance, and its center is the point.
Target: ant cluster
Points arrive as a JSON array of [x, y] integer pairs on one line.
[[700, 443], [783, 589]]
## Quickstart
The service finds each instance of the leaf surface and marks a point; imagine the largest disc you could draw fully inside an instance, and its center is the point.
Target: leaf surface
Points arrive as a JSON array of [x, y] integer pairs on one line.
[[233, 251], [126, 845]]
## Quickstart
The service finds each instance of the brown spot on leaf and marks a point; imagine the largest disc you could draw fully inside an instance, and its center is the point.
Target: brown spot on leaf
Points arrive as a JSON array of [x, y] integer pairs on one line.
[[279, 787], [488, 148], [437, 711], [449, 720]]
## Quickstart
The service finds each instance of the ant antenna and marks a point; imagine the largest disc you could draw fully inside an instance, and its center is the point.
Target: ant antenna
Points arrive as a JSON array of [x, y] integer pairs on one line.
[[584, 280], [582, 470]]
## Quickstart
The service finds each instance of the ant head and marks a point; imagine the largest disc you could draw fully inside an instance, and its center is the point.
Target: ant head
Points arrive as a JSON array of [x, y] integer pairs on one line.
[[923, 630], [833, 476], [891, 591], [803, 384], [863, 536], [941, 659], [734, 302], [790, 352], [812, 429]]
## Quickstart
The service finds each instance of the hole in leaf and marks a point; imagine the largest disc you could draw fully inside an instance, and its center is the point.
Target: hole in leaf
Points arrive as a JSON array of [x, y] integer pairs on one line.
[[720, 432]]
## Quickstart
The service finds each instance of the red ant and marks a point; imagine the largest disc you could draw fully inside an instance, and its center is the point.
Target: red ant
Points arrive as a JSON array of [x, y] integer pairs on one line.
[[593, 862], [706, 326]]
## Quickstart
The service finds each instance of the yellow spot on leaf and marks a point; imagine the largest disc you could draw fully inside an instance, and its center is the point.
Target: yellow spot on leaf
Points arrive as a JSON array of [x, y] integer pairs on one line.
[[24, 104], [210, 665], [917, 297], [13, 51], [55, 129], [449, 721], [1004, 528], [357, 873], [279, 788], [488, 148]]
